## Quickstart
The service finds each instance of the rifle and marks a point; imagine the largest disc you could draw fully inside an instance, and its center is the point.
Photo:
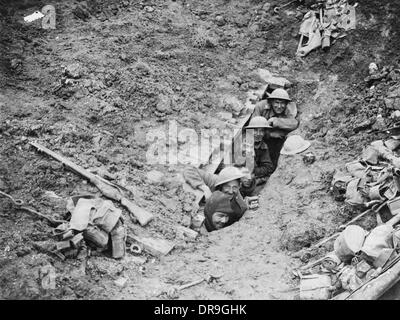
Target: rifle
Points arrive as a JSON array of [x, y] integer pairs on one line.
[[392, 130], [106, 188]]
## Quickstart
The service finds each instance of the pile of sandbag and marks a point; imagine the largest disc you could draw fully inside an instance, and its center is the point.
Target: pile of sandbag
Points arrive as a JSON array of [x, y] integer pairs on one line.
[[358, 257], [94, 222], [374, 179]]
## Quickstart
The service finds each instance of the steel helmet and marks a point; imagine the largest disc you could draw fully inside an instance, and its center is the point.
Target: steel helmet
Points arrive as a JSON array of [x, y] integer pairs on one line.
[[228, 174], [279, 94], [294, 144], [258, 122]]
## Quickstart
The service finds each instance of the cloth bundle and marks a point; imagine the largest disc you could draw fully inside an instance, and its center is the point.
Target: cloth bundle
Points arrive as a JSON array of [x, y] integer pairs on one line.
[[96, 220]]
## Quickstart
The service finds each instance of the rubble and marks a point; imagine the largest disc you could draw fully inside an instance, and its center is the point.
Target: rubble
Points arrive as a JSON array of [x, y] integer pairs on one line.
[[156, 247], [110, 190], [328, 19], [267, 77], [373, 184], [155, 176], [121, 282], [73, 71], [315, 287]]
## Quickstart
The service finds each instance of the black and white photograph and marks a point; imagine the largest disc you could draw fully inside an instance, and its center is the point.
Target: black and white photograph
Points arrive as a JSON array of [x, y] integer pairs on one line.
[[200, 155]]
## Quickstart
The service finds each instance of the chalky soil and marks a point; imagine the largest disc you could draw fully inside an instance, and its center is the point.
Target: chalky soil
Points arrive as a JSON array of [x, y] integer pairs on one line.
[[112, 71]]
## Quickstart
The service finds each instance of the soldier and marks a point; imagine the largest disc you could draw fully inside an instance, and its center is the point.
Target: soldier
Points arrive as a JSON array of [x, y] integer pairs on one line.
[[263, 166], [224, 203], [280, 118]]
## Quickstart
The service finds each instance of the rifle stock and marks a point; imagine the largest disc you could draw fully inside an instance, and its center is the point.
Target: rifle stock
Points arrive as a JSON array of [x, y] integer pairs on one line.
[[142, 215]]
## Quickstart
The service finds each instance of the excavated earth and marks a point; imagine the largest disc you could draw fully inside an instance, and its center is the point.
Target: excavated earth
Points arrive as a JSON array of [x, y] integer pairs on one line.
[[135, 66]]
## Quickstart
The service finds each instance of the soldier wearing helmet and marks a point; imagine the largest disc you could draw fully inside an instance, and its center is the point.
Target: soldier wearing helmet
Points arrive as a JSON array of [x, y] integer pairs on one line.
[[280, 117], [262, 165], [224, 203]]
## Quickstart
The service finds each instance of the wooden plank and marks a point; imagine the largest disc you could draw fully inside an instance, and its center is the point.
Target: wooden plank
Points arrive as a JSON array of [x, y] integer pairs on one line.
[[156, 247], [216, 161], [216, 157]]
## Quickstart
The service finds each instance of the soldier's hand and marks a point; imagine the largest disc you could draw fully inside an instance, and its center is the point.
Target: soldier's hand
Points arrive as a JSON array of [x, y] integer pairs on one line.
[[271, 121], [206, 190]]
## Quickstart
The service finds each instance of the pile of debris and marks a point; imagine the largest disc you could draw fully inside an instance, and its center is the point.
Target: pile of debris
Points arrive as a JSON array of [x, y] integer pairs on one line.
[[327, 19], [94, 220], [360, 257], [95, 223], [373, 181]]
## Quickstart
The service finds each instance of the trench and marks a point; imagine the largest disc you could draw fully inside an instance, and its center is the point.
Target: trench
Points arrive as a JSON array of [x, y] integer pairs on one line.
[[131, 59]]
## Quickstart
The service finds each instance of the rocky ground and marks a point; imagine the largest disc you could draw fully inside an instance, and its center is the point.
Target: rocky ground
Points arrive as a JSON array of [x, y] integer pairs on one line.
[[113, 70]]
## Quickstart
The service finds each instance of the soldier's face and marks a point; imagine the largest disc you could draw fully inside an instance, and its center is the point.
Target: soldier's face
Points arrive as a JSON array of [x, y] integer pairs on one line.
[[231, 187], [278, 105], [219, 219], [258, 134]]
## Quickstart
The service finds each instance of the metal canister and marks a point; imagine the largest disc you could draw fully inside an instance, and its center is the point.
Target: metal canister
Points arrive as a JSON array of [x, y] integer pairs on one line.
[[197, 221], [253, 202], [118, 238], [309, 158]]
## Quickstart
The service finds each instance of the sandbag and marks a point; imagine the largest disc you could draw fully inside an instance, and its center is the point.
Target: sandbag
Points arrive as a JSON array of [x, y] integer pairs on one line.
[[106, 216], [353, 195], [349, 242], [370, 155], [97, 212], [380, 238], [356, 169], [81, 214], [339, 185]]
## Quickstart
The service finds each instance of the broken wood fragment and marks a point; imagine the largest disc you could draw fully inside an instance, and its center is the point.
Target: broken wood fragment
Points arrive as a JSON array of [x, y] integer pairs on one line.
[[156, 247], [76, 240], [183, 231], [62, 245]]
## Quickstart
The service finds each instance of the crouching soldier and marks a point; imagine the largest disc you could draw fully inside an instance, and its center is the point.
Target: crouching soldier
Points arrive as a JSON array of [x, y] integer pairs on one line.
[[223, 209], [227, 181], [280, 118], [263, 166], [224, 203]]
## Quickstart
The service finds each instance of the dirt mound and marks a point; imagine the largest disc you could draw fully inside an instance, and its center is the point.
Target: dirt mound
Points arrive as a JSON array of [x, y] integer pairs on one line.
[[301, 233]]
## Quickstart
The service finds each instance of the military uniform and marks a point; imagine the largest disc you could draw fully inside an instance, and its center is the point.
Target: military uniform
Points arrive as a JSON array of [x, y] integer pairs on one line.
[[233, 205], [196, 177], [282, 124], [263, 168]]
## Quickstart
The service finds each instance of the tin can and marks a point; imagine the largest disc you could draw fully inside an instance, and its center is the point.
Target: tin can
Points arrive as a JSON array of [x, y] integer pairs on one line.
[[197, 221], [118, 238], [253, 202]]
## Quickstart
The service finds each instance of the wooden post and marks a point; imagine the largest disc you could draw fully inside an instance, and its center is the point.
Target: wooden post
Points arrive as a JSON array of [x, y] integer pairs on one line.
[[378, 286]]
